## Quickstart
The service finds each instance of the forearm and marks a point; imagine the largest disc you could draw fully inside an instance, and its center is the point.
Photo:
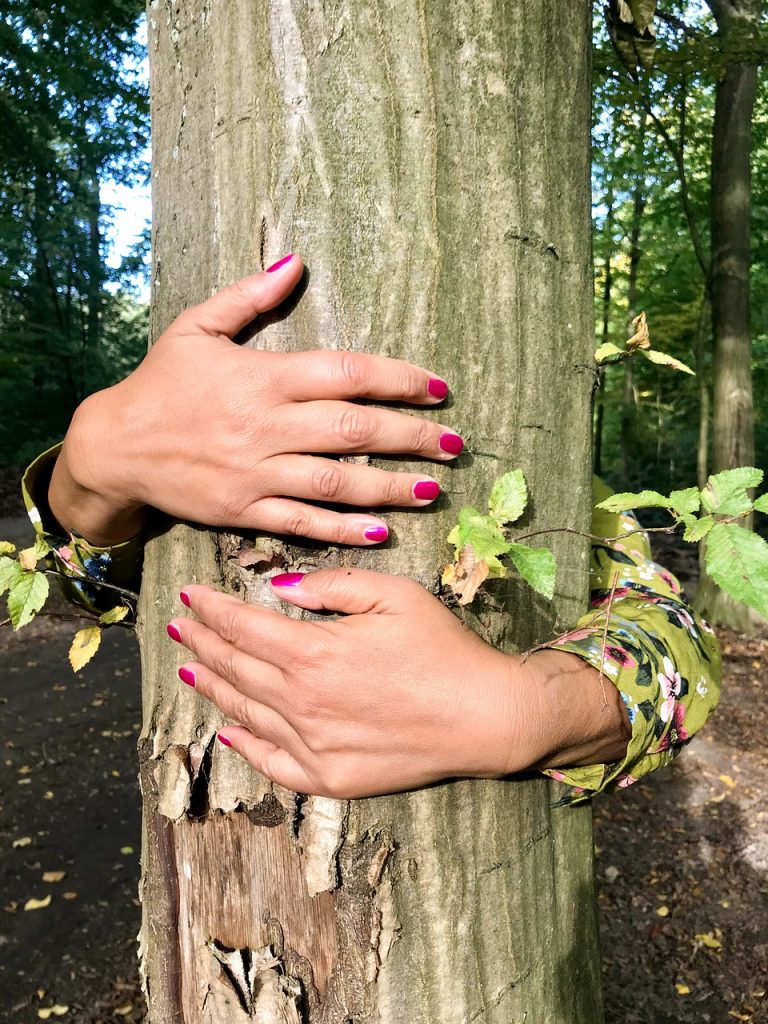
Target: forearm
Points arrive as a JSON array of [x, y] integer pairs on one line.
[[80, 497]]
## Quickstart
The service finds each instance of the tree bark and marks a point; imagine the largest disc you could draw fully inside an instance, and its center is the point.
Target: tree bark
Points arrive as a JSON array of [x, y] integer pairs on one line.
[[431, 164]]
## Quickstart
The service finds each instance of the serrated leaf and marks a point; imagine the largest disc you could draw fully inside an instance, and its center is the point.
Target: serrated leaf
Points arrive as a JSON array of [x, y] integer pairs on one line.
[[536, 566], [84, 646], [10, 573], [737, 560], [483, 533], [609, 353], [685, 501], [626, 501], [761, 504], [509, 497], [6, 548], [699, 528], [116, 614], [726, 492], [26, 597], [664, 359]]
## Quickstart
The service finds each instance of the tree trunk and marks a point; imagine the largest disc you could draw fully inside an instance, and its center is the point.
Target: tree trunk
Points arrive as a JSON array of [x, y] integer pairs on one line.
[[431, 164], [733, 436]]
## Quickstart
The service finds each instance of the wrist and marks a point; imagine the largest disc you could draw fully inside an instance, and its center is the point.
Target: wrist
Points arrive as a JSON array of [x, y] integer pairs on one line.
[[85, 495]]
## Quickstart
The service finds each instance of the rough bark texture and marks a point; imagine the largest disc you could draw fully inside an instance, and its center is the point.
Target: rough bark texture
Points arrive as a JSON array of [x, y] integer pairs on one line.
[[733, 435], [431, 164]]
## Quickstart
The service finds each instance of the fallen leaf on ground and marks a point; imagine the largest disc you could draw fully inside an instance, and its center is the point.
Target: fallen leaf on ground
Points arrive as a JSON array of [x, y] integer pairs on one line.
[[69, 895], [662, 911], [53, 876], [123, 1011], [52, 1011], [708, 939], [682, 990], [22, 841], [34, 904], [727, 780]]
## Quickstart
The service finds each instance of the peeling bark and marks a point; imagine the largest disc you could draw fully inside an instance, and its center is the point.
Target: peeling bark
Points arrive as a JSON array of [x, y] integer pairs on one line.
[[399, 147]]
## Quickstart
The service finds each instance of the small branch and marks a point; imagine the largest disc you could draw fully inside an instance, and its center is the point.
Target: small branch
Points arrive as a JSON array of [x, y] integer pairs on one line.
[[130, 594]]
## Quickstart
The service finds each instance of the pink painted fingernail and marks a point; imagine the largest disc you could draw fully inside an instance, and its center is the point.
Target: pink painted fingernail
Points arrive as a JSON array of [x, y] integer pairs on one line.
[[187, 676], [224, 740], [184, 598], [376, 533], [437, 388], [426, 490], [288, 579], [451, 443], [173, 632], [280, 263]]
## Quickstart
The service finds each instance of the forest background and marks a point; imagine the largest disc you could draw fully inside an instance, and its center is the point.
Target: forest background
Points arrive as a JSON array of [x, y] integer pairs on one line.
[[73, 313]]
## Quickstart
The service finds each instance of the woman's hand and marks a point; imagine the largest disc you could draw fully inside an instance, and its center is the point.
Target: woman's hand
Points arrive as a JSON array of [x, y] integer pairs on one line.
[[396, 695], [212, 432]]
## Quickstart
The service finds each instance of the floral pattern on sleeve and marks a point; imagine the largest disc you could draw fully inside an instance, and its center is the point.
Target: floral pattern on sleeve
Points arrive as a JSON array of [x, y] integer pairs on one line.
[[662, 658]]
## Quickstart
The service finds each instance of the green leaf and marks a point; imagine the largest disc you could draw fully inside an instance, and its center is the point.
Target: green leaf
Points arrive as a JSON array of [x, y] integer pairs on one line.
[[27, 597], [116, 614], [10, 571], [6, 548], [483, 533], [699, 528], [609, 353], [761, 505], [626, 501], [663, 359], [737, 560], [509, 497], [685, 501], [536, 566], [84, 645], [726, 492]]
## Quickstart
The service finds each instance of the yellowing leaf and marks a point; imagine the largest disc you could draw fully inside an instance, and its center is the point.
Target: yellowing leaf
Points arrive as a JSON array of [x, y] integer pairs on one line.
[[641, 337], [53, 876], [664, 359], [116, 614], [682, 990], [22, 841], [84, 646], [609, 353], [28, 558], [662, 911], [34, 904], [727, 780], [6, 548], [708, 939], [45, 1013]]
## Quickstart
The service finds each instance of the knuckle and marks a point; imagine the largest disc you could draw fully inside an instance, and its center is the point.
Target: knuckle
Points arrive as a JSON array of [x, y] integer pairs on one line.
[[352, 370], [423, 435], [228, 626], [393, 490], [353, 426], [327, 480], [299, 523]]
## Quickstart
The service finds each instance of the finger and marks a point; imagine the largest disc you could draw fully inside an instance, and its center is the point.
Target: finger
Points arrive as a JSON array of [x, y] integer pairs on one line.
[[347, 427], [243, 626], [317, 479], [233, 308], [268, 759], [281, 515], [353, 591], [239, 664], [316, 375]]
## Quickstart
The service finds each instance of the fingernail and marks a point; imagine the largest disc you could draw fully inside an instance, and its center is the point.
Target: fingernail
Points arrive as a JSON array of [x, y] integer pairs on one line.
[[187, 676], [376, 533], [426, 490], [280, 263], [451, 443], [437, 388], [173, 632], [288, 579], [184, 598], [224, 740]]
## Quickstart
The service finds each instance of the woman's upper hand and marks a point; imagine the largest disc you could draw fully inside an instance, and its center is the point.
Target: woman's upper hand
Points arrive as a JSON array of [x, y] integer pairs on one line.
[[209, 431], [395, 695]]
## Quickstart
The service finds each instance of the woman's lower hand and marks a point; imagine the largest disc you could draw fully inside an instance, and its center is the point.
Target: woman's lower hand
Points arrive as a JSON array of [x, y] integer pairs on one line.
[[395, 695], [212, 432]]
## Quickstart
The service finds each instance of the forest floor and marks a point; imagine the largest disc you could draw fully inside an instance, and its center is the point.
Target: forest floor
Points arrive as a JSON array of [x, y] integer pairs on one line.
[[682, 858]]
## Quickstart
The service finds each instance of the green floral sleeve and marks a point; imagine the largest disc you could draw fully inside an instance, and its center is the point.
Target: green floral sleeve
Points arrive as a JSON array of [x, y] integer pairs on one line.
[[85, 569], [664, 661]]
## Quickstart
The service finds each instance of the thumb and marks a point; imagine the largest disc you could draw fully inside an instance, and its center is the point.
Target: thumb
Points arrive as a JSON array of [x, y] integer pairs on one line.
[[233, 308], [352, 591]]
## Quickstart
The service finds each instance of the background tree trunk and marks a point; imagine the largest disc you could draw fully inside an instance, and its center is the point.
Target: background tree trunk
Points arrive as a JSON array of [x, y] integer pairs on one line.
[[431, 164], [733, 432]]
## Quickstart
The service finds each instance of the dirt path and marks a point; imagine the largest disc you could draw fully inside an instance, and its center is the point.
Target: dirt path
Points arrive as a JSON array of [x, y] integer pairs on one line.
[[692, 841]]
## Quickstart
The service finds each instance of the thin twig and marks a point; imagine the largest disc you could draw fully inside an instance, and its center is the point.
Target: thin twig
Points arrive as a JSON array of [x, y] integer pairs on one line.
[[92, 582]]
